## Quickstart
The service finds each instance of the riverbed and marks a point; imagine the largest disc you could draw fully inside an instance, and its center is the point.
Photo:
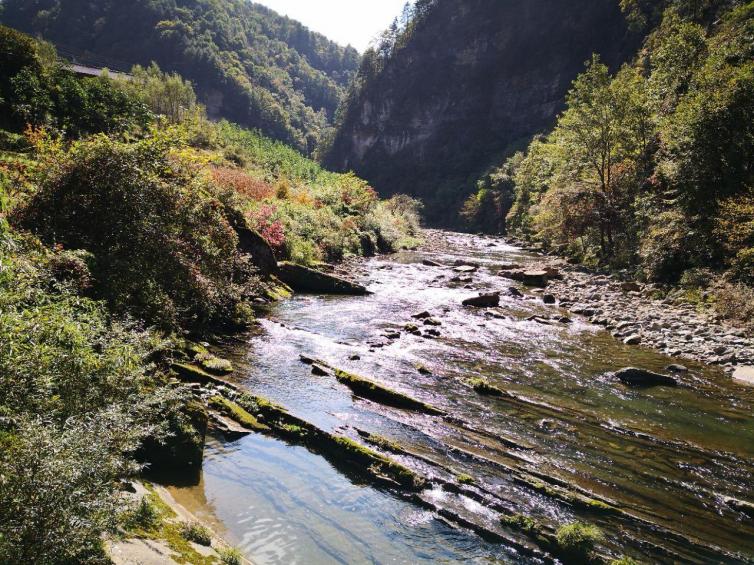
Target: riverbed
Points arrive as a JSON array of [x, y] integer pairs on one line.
[[657, 469]]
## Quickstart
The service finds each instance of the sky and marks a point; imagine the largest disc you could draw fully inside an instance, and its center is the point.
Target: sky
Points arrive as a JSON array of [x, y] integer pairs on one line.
[[354, 22]]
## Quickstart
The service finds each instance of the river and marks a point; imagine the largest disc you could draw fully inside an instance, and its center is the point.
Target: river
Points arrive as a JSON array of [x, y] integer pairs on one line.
[[661, 460]]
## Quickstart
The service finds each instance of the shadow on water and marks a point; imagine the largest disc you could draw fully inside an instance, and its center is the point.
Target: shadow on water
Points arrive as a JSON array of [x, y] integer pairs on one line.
[[665, 460]]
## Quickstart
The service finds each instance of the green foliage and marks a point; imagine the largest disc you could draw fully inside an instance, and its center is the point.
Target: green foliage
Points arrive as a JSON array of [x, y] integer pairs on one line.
[[249, 64], [649, 168], [624, 561], [164, 249], [196, 533], [231, 556], [37, 89], [576, 541]]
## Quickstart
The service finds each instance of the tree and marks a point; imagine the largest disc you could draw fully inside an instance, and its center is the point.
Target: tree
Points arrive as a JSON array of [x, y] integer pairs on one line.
[[606, 123]]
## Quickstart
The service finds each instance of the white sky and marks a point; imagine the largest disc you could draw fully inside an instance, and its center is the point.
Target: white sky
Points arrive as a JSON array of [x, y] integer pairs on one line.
[[354, 22]]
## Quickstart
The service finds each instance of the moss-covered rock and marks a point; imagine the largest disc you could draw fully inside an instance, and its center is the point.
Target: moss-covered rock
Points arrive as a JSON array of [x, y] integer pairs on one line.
[[213, 364], [236, 413], [576, 542], [484, 388], [368, 389]]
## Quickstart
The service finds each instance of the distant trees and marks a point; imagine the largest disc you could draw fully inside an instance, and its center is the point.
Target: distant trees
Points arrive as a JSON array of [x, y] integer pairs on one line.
[[247, 63], [165, 94]]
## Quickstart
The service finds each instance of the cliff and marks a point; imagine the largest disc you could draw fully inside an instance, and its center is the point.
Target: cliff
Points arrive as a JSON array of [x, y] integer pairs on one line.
[[470, 81]]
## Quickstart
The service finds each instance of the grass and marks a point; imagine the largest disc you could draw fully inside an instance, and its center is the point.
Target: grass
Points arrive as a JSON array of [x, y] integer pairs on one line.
[[465, 479], [577, 541], [196, 533], [231, 556], [522, 523]]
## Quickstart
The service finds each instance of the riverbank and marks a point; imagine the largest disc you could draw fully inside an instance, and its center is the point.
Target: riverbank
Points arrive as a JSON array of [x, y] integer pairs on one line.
[[644, 315]]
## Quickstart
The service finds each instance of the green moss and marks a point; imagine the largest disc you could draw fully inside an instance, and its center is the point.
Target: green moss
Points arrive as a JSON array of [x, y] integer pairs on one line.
[[522, 523], [293, 429], [213, 364], [192, 373], [465, 479], [576, 541], [236, 413], [484, 388], [379, 464], [378, 393], [383, 443]]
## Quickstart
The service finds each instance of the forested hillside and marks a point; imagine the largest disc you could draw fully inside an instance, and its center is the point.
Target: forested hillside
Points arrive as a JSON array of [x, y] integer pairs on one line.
[[649, 168], [455, 84], [248, 64], [129, 222]]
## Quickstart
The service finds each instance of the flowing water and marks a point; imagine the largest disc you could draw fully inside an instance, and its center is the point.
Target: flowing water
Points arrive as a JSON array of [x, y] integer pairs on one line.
[[665, 459]]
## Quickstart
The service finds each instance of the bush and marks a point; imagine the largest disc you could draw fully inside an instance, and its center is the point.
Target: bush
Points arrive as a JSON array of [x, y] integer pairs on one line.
[[196, 533], [164, 249], [231, 556], [735, 301], [145, 516], [576, 541], [58, 490]]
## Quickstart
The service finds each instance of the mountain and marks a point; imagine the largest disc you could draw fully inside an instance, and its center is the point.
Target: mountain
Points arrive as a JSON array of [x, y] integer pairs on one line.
[[457, 83], [249, 64]]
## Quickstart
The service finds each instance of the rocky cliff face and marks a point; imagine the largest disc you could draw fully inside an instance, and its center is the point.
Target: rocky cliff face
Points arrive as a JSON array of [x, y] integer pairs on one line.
[[476, 78]]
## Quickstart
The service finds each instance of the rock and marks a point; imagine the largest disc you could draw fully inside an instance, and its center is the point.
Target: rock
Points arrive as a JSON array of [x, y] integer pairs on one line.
[[744, 374], [632, 376], [423, 370], [549, 299], [740, 505], [430, 263], [509, 267], [304, 279], [630, 287], [393, 335], [432, 322], [465, 269], [354, 358], [514, 292], [319, 370], [676, 368], [251, 243], [634, 339], [422, 315], [432, 332], [462, 263], [462, 279], [483, 300], [411, 328], [530, 278], [183, 447]]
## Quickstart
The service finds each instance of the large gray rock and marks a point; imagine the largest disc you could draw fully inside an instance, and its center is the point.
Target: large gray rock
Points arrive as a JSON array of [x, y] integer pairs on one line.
[[305, 279], [632, 376]]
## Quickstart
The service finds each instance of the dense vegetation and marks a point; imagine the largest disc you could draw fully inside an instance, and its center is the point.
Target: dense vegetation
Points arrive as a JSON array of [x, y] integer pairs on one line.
[[124, 215], [648, 168], [249, 65]]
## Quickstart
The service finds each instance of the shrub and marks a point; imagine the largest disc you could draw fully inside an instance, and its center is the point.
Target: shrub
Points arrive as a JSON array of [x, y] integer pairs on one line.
[[231, 556], [735, 301], [164, 249], [196, 533], [145, 516], [58, 490], [576, 541]]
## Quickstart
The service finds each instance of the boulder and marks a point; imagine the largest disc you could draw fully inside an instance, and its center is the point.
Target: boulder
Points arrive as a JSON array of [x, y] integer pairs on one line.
[[634, 339], [305, 279], [744, 374], [676, 368], [430, 263], [483, 300], [549, 299], [632, 376], [514, 292], [251, 243], [422, 315], [530, 278]]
